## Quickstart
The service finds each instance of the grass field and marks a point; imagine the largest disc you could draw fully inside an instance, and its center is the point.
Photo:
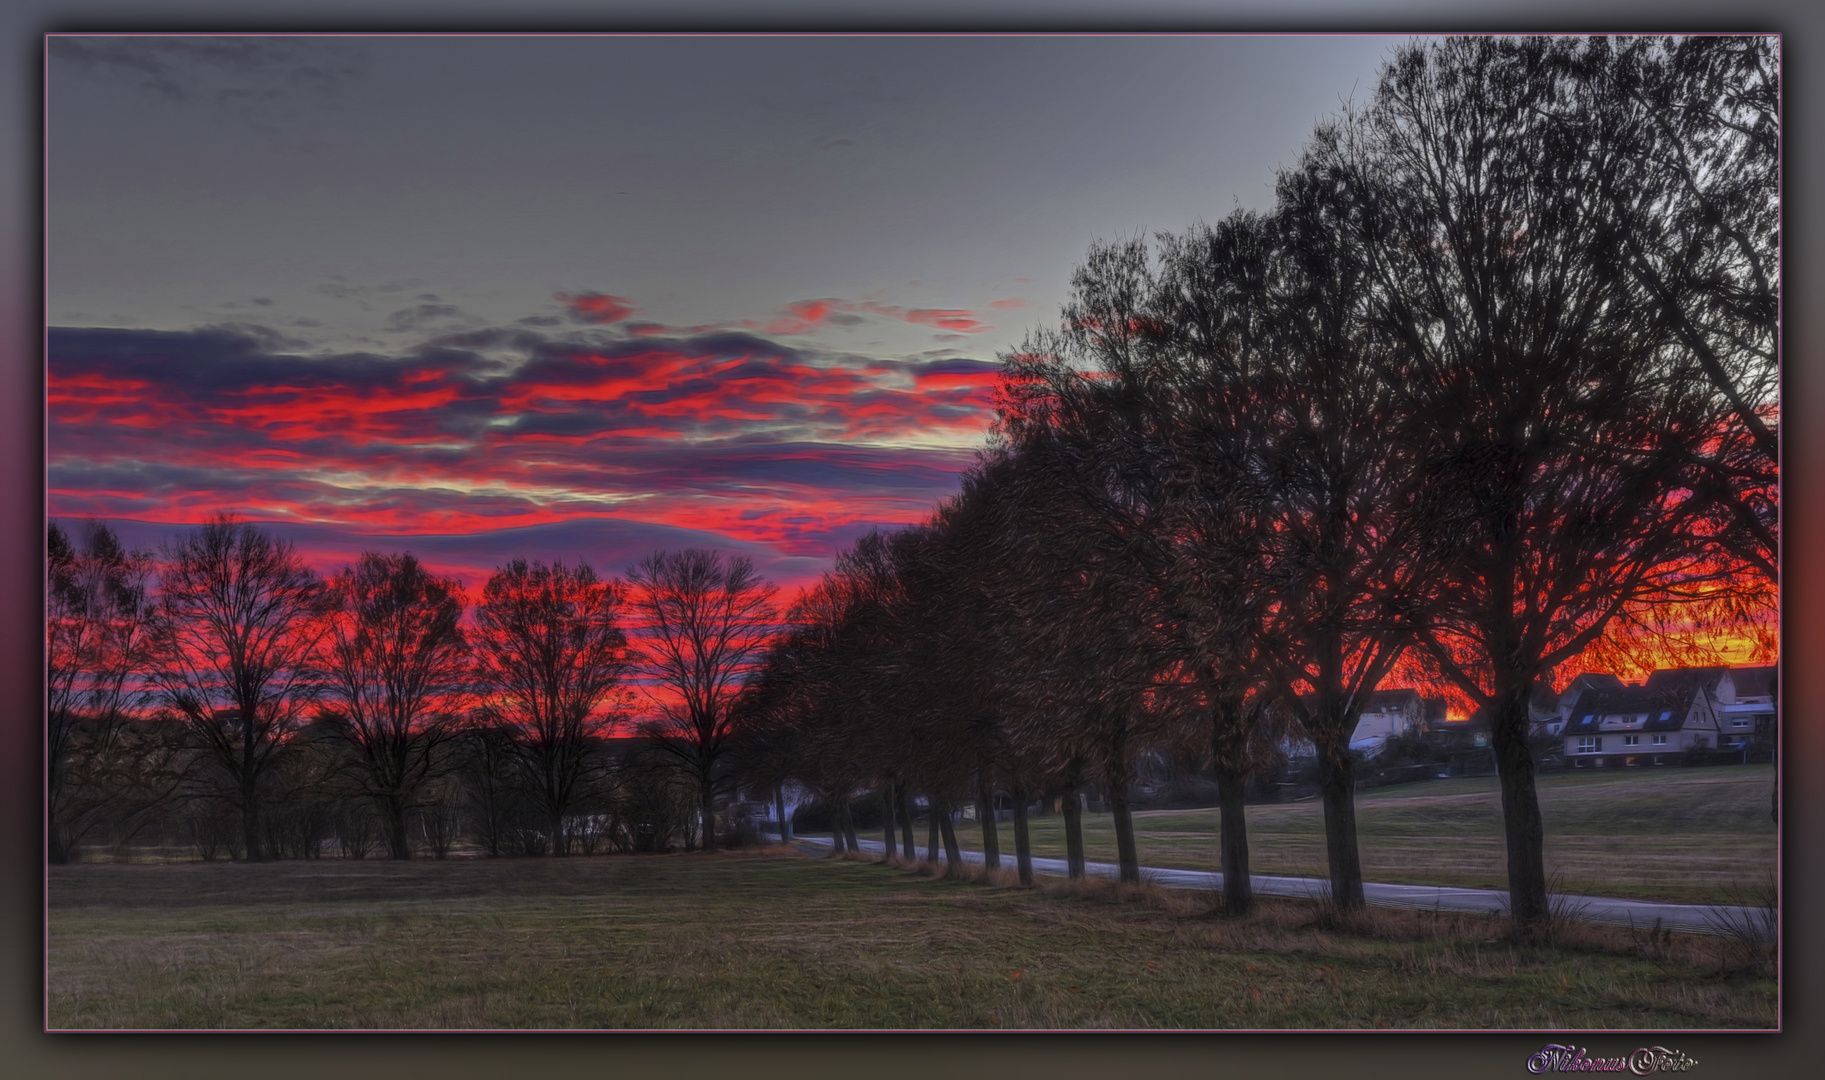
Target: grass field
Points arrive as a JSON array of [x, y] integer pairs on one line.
[[782, 940], [1684, 835]]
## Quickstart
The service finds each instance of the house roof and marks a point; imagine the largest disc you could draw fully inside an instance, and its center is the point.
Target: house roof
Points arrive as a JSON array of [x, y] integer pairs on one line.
[[1684, 678], [1383, 700], [1594, 680], [1754, 681], [1665, 707]]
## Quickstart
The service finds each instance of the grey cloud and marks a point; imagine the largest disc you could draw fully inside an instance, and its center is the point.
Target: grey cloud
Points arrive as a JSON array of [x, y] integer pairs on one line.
[[235, 71], [422, 316]]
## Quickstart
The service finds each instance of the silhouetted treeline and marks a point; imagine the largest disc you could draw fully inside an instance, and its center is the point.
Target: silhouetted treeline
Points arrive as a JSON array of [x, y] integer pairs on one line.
[[220, 696], [1493, 383]]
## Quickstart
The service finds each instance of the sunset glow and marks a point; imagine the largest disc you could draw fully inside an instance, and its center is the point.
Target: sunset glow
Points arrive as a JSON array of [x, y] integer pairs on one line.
[[730, 434]]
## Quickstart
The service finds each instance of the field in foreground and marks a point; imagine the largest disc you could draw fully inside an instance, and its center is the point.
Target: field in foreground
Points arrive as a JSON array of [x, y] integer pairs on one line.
[[782, 940], [1696, 836]]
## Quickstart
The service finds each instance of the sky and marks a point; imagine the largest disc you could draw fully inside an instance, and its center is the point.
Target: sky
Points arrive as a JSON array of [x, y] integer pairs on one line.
[[587, 297]]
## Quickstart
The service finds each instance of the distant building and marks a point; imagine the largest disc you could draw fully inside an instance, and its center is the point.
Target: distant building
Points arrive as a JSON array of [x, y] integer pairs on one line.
[[1389, 714], [1676, 712]]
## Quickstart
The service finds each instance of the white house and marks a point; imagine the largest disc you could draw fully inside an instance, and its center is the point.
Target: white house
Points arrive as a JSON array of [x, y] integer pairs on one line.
[[1673, 713], [1389, 714], [1743, 701]]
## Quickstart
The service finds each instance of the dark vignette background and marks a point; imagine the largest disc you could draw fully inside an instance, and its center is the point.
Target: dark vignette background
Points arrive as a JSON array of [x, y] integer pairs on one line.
[[28, 1052]]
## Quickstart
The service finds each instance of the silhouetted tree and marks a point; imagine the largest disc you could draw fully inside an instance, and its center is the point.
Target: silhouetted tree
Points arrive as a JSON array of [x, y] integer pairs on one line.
[[1684, 139], [549, 657], [705, 618], [396, 667], [101, 768], [1558, 436], [238, 617]]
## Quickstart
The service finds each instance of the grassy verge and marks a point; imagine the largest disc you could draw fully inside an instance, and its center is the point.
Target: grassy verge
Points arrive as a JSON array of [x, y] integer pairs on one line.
[[1680, 835], [775, 940]]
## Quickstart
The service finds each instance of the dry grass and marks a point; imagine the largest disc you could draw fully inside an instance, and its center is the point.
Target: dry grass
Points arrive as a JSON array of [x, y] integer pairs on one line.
[[1670, 834], [772, 941]]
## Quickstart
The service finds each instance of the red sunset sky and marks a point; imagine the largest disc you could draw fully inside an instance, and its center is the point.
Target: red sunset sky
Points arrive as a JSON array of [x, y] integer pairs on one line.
[[588, 297]]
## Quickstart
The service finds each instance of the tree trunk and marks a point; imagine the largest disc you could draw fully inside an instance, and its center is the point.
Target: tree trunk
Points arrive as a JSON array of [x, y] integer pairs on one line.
[[991, 839], [1074, 833], [931, 839], [709, 815], [1023, 847], [887, 839], [849, 828], [1337, 778], [250, 831], [399, 844], [1521, 824], [953, 854], [1238, 890], [839, 843], [1124, 834], [906, 821], [1119, 774], [556, 823], [779, 807]]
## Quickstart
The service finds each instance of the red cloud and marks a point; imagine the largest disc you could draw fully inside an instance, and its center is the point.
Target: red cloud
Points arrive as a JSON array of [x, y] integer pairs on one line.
[[943, 318], [802, 317], [1008, 304], [805, 316], [728, 433], [596, 307]]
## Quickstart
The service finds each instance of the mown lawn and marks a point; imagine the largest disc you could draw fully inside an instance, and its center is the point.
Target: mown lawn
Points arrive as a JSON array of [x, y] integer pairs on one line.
[[783, 940], [1698, 835]]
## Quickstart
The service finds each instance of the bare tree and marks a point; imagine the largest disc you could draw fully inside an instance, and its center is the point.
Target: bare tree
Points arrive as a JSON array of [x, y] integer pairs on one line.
[[705, 619], [550, 654], [1556, 418], [101, 767], [396, 668], [1685, 135], [238, 617]]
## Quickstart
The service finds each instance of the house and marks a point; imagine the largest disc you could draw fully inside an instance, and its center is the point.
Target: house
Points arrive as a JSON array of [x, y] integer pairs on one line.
[[1460, 747], [1389, 714], [1744, 703], [1658, 722], [1548, 712]]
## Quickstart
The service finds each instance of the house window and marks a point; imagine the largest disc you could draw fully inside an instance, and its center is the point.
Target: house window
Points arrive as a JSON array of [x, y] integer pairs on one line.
[[1660, 740], [1590, 744], [1631, 740], [1739, 723]]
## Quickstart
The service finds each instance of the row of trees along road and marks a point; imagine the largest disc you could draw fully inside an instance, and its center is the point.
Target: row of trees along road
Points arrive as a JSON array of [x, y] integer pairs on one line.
[[235, 650], [1491, 388]]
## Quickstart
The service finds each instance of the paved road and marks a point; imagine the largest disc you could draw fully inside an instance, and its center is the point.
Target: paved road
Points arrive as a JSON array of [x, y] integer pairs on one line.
[[1687, 918]]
